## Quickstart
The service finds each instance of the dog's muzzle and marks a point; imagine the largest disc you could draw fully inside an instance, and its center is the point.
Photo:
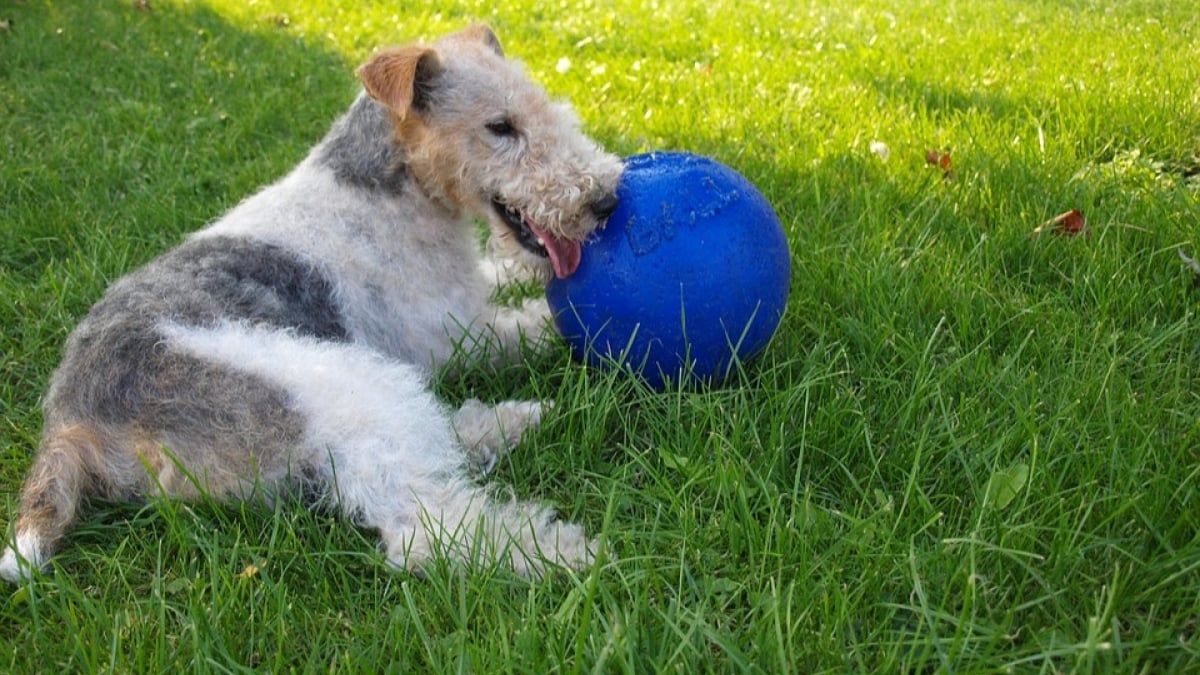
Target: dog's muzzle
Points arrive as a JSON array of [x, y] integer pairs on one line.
[[564, 254]]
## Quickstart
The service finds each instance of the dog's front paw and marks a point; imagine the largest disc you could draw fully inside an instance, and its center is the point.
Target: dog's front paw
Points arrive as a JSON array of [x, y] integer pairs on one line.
[[544, 543], [537, 320], [487, 432], [530, 323]]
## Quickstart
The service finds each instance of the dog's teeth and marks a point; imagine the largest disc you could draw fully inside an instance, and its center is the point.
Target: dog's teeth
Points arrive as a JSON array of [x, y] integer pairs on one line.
[[541, 242]]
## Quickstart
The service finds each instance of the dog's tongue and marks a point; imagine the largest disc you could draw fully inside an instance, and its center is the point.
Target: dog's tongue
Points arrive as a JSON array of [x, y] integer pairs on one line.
[[564, 253]]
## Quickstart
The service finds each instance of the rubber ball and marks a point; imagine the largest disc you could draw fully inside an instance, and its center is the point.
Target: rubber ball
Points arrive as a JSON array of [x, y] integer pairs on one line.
[[689, 276]]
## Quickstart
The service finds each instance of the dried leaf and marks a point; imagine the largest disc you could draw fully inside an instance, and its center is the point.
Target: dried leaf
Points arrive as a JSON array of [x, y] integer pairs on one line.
[[5, 25], [1070, 223], [141, 5], [941, 160], [250, 571]]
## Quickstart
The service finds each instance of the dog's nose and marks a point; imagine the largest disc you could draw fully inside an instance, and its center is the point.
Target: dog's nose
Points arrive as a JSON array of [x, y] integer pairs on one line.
[[604, 206]]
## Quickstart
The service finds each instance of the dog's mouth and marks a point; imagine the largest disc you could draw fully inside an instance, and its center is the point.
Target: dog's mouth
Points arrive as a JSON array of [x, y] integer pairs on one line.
[[564, 254]]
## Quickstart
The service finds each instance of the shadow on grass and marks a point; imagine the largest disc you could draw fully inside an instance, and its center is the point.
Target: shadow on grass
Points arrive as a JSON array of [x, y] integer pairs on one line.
[[142, 124], [122, 130]]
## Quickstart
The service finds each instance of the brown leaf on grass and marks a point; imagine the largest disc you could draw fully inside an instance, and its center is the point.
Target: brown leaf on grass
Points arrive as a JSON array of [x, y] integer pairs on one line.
[[1070, 223], [141, 5], [250, 571], [941, 160], [938, 158], [5, 25]]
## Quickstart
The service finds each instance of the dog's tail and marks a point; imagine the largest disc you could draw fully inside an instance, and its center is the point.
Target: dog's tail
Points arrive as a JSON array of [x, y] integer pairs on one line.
[[61, 476]]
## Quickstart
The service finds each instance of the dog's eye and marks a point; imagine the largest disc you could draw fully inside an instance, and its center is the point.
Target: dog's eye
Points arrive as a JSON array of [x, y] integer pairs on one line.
[[502, 127]]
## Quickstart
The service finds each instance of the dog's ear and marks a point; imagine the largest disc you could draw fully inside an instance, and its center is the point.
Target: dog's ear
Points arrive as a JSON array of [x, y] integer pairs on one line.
[[401, 78], [481, 32]]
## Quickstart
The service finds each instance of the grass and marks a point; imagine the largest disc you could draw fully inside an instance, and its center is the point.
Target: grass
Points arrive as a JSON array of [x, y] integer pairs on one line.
[[968, 449]]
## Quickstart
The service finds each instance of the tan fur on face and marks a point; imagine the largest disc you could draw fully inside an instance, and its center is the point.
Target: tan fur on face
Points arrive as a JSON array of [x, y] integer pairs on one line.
[[444, 96]]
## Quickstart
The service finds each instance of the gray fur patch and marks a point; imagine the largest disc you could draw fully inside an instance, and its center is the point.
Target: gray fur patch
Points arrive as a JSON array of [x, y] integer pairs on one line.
[[361, 148], [118, 370]]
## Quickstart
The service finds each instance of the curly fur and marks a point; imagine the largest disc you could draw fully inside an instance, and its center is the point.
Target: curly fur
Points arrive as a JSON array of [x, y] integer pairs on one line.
[[291, 340]]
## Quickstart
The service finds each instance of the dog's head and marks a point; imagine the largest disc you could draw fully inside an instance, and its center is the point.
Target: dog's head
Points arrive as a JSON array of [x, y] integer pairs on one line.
[[480, 136]]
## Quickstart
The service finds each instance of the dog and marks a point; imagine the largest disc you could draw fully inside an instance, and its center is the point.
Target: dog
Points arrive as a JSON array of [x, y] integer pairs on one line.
[[289, 344]]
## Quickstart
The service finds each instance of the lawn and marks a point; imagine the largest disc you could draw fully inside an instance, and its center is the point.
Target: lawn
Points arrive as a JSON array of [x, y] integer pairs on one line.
[[973, 445]]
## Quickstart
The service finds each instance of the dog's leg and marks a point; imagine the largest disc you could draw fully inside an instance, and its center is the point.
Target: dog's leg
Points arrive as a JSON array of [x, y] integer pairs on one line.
[[499, 270], [411, 484], [387, 450], [532, 322], [462, 522], [436, 510], [488, 432]]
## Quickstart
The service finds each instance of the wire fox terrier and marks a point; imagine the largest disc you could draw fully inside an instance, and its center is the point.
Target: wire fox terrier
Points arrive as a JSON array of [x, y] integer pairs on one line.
[[288, 344]]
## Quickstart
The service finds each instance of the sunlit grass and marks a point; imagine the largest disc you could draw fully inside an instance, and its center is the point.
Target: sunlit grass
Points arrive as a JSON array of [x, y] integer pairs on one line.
[[967, 449]]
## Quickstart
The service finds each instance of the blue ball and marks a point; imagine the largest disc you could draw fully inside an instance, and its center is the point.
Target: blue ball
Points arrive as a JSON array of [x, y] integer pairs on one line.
[[691, 271]]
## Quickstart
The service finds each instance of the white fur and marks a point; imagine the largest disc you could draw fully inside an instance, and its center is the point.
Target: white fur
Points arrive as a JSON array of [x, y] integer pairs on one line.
[[17, 565], [388, 449], [362, 248]]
